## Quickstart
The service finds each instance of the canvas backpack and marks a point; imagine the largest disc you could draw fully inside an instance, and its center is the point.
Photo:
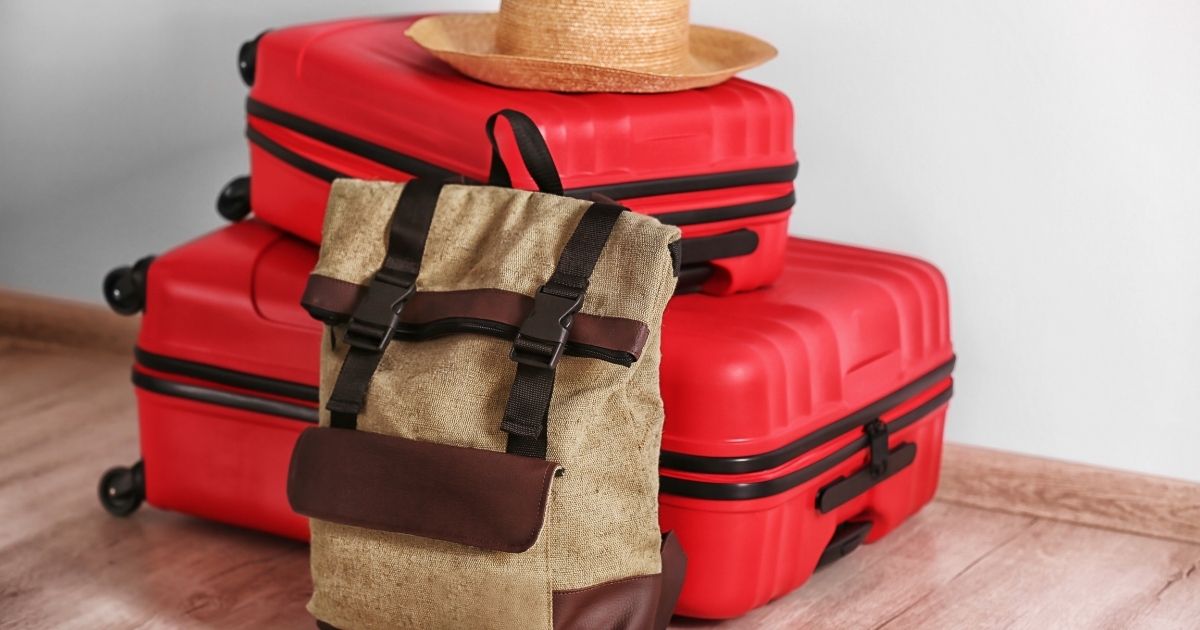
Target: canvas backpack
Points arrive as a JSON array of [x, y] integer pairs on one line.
[[487, 455]]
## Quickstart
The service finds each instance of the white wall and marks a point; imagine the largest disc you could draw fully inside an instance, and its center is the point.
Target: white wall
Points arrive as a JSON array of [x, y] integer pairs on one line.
[[1046, 154]]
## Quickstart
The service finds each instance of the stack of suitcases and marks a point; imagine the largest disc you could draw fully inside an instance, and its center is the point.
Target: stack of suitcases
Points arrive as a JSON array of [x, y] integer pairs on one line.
[[805, 383]]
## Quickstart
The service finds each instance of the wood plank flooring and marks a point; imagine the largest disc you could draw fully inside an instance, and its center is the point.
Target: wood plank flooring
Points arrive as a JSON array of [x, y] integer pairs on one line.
[[66, 416]]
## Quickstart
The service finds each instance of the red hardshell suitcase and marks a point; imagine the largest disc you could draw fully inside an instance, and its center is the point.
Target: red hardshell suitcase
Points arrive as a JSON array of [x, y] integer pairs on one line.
[[358, 98], [801, 419], [225, 375]]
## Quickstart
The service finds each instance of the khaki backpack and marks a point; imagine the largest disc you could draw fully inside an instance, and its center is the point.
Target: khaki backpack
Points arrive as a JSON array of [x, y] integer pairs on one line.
[[487, 455]]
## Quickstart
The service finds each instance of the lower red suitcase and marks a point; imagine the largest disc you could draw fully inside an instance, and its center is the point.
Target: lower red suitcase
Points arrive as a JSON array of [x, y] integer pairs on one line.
[[801, 419], [225, 375]]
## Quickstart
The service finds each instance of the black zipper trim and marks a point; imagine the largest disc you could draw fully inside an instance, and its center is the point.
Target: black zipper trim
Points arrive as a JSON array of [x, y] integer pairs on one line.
[[770, 487], [786, 453], [298, 391], [683, 217], [291, 158], [346, 142], [225, 376], [308, 393], [421, 168], [223, 398], [725, 213], [691, 183]]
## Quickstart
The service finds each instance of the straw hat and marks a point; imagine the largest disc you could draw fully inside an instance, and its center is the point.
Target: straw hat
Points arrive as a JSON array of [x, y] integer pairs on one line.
[[589, 46]]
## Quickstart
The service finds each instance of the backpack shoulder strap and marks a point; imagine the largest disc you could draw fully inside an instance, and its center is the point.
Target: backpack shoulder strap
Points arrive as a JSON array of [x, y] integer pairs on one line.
[[539, 343], [377, 314]]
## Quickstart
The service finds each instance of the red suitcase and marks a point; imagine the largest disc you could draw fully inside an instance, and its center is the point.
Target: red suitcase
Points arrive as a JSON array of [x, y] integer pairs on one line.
[[358, 98], [225, 375], [801, 420], [776, 403]]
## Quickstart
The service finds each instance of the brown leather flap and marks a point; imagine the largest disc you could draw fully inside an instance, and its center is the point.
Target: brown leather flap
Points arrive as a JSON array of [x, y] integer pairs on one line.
[[469, 496], [333, 300]]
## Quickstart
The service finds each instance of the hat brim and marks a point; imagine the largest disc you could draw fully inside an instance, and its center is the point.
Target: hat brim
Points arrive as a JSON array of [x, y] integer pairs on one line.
[[466, 41]]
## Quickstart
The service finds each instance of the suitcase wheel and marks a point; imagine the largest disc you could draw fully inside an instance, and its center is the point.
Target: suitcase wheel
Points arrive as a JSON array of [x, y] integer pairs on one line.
[[122, 489], [234, 201], [125, 287], [248, 58]]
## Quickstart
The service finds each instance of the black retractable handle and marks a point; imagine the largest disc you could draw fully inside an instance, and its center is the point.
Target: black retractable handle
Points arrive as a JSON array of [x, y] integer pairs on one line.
[[534, 153]]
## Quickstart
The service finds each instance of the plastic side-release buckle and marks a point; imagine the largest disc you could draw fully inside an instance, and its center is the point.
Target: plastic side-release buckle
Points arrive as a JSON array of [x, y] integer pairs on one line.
[[377, 315], [543, 335]]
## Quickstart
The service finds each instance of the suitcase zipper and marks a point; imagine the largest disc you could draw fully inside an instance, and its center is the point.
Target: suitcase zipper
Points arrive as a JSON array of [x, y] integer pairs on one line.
[[626, 190], [308, 393], [742, 491], [686, 462], [223, 398], [299, 391]]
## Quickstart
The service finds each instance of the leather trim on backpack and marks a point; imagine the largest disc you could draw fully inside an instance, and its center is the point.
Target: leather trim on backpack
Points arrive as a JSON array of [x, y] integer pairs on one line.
[[469, 496], [332, 300], [644, 602], [621, 604]]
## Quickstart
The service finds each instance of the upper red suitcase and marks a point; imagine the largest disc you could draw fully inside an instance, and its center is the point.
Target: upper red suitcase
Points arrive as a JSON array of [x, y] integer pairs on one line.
[[358, 98], [800, 419]]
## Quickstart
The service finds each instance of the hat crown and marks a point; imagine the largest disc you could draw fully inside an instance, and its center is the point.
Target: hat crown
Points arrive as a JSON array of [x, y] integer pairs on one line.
[[644, 35]]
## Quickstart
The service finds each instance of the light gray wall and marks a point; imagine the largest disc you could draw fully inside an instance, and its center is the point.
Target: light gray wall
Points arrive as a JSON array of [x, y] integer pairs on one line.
[[1045, 154]]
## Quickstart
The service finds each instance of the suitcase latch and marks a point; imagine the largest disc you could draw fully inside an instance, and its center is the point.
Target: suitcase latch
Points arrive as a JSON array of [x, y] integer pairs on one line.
[[877, 449], [882, 463]]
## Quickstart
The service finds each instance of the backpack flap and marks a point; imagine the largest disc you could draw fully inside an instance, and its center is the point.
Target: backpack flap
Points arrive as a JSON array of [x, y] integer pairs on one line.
[[468, 496]]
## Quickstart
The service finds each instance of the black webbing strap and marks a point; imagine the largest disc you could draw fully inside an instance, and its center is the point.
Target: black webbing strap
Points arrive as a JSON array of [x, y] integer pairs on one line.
[[534, 153], [377, 314], [540, 341]]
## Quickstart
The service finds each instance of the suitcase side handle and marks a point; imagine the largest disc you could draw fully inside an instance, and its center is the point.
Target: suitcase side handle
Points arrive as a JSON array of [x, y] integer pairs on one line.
[[881, 464], [534, 153], [846, 538]]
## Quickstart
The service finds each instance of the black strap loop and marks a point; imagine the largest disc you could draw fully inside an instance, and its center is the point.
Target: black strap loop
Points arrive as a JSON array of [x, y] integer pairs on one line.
[[543, 335], [378, 312], [534, 153]]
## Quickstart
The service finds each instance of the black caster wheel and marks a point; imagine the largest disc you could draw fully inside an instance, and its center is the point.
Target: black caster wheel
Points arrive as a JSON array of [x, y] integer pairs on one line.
[[234, 201], [122, 489], [247, 59], [125, 287]]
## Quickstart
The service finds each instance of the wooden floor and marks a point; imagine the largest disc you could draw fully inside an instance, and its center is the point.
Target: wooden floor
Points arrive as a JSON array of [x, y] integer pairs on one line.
[[64, 563]]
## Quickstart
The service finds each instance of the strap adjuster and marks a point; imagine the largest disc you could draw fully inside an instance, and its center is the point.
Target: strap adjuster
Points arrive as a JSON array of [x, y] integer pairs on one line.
[[377, 315], [543, 334]]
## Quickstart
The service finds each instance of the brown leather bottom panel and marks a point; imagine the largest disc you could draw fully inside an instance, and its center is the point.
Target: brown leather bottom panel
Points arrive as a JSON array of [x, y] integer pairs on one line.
[[637, 603]]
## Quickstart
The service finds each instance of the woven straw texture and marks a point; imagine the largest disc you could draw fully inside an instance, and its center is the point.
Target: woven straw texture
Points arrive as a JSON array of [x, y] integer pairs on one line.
[[605, 420], [589, 46]]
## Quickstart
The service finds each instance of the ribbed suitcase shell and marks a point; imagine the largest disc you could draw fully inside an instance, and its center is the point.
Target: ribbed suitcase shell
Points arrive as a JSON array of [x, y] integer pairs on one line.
[[713, 160], [843, 332], [223, 315]]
